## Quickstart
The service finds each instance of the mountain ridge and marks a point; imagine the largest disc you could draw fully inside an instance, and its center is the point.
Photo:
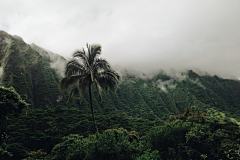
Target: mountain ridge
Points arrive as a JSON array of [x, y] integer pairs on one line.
[[35, 73], [27, 71]]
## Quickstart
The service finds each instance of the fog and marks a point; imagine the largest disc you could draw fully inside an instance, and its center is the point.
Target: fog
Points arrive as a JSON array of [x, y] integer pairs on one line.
[[141, 35], [57, 62]]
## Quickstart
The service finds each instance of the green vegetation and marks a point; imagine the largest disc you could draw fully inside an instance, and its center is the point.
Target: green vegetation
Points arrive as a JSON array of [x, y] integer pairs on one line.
[[37, 129], [10, 103], [28, 73], [68, 133], [87, 69], [37, 83], [168, 116]]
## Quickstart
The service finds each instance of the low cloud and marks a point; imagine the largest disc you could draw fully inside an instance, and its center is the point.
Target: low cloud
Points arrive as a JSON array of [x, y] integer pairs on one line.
[[146, 36], [197, 82], [57, 62], [59, 65], [165, 85], [170, 84]]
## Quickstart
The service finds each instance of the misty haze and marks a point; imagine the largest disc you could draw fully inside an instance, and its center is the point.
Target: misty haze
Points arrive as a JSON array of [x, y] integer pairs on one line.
[[119, 80], [152, 35]]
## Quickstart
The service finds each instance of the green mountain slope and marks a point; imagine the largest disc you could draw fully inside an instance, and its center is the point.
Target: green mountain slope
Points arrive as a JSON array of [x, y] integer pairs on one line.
[[164, 95], [35, 74], [28, 72]]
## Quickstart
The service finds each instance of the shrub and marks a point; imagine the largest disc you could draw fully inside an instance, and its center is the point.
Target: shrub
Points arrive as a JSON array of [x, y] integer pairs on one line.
[[113, 144]]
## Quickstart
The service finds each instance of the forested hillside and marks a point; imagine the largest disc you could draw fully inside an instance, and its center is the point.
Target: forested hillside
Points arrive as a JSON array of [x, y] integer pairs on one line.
[[28, 72], [35, 74], [173, 115]]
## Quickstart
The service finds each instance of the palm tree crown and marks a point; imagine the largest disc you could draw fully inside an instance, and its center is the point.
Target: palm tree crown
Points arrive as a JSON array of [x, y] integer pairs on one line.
[[88, 69]]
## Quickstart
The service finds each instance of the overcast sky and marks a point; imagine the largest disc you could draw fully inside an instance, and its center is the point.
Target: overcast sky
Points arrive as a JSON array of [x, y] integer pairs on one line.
[[144, 35]]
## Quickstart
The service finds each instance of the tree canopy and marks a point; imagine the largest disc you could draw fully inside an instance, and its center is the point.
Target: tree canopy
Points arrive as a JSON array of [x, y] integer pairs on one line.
[[10, 102]]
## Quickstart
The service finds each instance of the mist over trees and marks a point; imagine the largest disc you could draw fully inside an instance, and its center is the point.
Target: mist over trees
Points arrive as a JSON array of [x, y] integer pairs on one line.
[[177, 115]]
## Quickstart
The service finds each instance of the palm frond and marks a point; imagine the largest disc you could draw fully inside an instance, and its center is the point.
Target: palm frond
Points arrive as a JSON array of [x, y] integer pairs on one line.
[[95, 51], [91, 74], [107, 85], [89, 51], [108, 80], [111, 75], [82, 56], [98, 87], [100, 64], [73, 93], [62, 84], [74, 67], [67, 82]]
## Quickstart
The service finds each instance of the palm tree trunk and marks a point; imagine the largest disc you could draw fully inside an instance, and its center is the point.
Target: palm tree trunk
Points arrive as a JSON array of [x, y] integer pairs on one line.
[[93, 116]]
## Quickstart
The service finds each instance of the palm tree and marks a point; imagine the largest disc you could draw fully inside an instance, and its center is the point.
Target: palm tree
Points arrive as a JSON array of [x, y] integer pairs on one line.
[[88, 69]]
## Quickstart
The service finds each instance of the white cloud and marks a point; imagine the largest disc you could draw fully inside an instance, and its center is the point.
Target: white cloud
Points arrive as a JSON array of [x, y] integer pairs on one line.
[[143, 35]]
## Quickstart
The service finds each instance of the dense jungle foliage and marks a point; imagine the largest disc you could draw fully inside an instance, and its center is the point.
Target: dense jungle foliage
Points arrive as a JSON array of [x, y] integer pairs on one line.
[[67, 133], [147, 118]]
